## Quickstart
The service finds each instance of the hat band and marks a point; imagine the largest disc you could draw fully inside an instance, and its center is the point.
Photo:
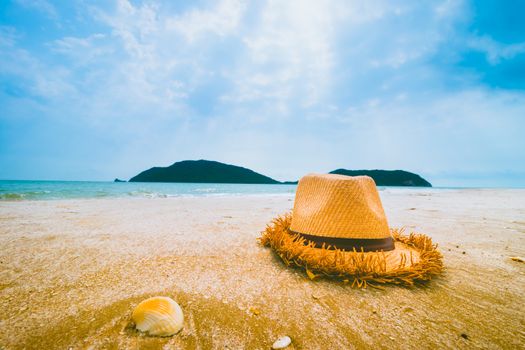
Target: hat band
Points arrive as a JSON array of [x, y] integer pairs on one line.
[[359, 244]]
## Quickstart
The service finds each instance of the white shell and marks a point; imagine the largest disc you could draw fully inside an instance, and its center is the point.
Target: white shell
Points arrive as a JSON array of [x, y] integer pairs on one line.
[[160, 316], [282, 342]]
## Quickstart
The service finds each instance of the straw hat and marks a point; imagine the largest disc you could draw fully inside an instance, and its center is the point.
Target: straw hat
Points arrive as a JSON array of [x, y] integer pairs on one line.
[[338, 228]]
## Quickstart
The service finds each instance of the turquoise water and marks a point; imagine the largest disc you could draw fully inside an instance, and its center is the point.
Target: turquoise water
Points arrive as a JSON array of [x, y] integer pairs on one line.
[[16, 190], [43, 190]]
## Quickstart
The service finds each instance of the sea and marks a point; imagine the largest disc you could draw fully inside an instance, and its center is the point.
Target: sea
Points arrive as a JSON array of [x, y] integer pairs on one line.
[[19, 190]]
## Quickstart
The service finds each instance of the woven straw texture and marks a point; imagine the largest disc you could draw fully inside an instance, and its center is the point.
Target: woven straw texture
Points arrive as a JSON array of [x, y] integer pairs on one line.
[[415, 259], [339, 206]]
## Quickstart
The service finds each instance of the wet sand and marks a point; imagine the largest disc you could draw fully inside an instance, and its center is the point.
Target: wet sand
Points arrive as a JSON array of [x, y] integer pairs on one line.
[[72, 271]]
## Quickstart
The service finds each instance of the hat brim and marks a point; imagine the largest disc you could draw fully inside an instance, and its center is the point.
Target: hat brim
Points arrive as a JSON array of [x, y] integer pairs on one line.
[[414, 259]]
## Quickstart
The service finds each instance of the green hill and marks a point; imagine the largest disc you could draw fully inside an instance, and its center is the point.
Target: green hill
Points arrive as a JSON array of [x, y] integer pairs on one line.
[[388, 177], [202, 171]]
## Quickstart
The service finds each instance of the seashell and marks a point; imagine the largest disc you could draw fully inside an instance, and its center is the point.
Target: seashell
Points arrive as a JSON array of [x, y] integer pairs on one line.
[[160, 316], [282, 342]]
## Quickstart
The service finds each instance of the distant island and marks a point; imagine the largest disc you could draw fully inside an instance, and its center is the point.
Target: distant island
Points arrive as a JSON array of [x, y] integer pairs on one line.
[[203, 171], [388, 177], [207, 171]]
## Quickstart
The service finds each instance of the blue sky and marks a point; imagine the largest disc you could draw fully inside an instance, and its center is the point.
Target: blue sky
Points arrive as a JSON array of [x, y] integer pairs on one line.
[[93, 90]]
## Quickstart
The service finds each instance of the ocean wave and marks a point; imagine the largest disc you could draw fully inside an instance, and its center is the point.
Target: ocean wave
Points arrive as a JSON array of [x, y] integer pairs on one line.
[[206, 190], [149, 194], [51, 190], [11, 196], [14, 196]]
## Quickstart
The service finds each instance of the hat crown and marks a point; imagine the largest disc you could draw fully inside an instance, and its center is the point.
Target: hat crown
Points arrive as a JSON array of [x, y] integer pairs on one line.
[[339, 206]]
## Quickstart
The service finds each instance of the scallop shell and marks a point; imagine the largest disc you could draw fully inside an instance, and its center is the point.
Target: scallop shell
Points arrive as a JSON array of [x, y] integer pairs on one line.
[[160, 316]]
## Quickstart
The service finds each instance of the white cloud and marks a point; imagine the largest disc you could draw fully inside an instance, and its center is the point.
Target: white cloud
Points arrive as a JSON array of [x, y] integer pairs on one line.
[[289, 55], [37, 78], [8, 36], [450, 8], [222, 19], [83, 51], [495, 51]]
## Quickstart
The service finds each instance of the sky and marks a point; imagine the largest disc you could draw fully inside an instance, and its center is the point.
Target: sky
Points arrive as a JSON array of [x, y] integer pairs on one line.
[[94, 90]]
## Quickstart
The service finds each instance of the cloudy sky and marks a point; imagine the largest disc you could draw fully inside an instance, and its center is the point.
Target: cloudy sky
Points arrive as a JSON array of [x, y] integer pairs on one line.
[[93, 90]]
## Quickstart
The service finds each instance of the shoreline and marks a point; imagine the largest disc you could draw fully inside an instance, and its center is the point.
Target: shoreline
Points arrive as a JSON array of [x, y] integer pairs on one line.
[[16, 191], [72, 271]]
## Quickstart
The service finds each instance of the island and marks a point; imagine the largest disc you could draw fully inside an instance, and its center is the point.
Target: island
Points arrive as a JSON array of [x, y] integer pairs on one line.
[[208, 171], [388, 177], [118, 180], [203, 171]]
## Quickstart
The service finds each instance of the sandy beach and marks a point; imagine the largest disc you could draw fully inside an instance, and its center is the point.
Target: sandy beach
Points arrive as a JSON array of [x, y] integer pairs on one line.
[[72, 271]]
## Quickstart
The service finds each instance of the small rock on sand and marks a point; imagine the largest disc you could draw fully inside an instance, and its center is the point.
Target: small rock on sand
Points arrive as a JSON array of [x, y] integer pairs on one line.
[[282, 342], [255, 310]]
